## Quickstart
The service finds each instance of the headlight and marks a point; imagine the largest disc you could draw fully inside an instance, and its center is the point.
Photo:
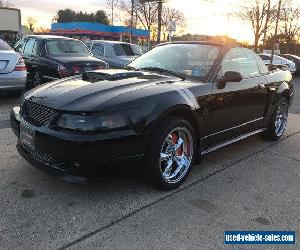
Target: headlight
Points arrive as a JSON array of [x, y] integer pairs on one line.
[[91, 122]]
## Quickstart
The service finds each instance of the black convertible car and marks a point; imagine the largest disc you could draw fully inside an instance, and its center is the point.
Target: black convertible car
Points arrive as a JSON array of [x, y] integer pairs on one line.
[[173, 103]]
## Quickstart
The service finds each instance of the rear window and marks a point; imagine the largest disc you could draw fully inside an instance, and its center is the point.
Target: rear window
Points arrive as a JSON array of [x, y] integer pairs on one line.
[[61, 47], [127, 50], [4, 45]]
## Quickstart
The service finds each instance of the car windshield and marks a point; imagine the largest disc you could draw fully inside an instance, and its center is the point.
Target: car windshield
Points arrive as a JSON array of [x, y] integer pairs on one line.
[[4, 45], [127, 50], [63, 47], [195, 60]]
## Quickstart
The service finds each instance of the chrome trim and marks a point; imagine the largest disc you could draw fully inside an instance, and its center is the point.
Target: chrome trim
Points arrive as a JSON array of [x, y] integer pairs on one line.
[[244, 124], [190, 100], [242, 137]]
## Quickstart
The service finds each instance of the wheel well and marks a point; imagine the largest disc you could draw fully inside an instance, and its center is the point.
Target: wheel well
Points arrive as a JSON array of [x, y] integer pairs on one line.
[[286, 94], [181, 113]]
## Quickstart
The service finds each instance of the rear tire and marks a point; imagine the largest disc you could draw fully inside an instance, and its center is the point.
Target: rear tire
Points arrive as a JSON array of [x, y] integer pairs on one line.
[[171, 153], [278, 121]]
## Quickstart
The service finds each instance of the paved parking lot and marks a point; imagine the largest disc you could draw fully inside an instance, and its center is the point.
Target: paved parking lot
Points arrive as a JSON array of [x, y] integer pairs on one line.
[[251, 185]]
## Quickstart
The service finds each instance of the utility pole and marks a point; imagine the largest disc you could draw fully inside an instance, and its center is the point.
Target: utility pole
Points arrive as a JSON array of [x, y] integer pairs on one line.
[[131, 22], [228, 21], [276, 31], [159, 21], [160, 6], [112, 12]]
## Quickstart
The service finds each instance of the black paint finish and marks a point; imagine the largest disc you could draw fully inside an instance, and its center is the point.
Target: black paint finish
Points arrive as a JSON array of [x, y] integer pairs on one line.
[[217, 114]]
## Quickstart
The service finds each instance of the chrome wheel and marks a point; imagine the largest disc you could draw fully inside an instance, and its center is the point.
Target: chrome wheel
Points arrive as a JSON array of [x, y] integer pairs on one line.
[[176, 155], [281, 119]]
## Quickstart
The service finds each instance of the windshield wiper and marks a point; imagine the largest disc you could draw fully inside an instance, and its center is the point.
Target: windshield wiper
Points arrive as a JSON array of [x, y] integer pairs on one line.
[[165, 71]]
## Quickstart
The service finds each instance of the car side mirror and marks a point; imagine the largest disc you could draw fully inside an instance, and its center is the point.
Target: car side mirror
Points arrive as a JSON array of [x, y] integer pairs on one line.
[[229, 76]]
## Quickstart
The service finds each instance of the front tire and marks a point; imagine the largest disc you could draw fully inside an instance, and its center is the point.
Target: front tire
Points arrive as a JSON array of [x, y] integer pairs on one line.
[[171, 153], [278, 121]]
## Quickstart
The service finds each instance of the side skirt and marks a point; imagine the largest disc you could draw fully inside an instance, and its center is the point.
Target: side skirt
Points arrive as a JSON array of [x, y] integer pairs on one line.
[[239, 138]]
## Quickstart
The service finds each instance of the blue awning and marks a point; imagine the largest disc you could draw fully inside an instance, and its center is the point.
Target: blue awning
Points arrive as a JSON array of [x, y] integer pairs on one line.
[[98, 27]]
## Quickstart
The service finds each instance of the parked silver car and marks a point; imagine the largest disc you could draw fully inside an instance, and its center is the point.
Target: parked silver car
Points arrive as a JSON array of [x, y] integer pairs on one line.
[[13, 73], [278, 61], [116, 54]]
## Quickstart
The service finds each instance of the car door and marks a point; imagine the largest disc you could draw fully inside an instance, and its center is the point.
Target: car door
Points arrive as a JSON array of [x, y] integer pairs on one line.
[[47, 68], [237, 107], [253, 92], [27, 54]]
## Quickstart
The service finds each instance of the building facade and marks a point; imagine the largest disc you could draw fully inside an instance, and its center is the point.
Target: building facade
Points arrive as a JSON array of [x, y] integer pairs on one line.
[[10, 24]]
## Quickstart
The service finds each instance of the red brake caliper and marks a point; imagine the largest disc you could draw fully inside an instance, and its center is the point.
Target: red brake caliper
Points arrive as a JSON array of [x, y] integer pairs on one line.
[[175, 140]]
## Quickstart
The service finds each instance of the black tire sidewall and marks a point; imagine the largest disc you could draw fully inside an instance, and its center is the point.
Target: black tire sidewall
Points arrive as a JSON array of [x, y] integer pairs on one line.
[[270, 133], [152, 164]]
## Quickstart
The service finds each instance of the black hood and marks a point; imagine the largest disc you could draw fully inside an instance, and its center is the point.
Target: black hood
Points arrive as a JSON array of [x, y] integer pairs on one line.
[[78, 95]]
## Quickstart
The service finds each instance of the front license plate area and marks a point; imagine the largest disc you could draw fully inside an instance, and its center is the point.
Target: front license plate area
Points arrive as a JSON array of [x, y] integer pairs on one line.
[[27, 136]]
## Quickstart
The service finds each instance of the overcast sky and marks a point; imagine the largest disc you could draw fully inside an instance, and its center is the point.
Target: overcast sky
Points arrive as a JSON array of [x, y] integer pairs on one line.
[[202, 16]]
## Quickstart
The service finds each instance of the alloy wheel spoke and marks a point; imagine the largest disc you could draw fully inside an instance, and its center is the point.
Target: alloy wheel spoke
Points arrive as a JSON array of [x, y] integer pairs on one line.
[[178, 144], [168, 169], [164, 156]]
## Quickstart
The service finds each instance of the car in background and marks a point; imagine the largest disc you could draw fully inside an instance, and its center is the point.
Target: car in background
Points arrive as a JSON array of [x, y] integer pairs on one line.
[[49, 58], [279, 61], [13, 73], [295, 59], [116, 54]]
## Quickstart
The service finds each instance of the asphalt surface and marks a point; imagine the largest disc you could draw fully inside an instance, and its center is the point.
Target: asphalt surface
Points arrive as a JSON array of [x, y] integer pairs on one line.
[[251, 185]]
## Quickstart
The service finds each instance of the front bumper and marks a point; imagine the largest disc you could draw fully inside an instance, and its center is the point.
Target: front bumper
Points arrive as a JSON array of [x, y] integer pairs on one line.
[[78, 154]]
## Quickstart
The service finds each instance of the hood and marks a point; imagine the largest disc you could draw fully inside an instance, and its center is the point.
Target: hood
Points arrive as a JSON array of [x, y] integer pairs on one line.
[[91, 94], [76, 59]]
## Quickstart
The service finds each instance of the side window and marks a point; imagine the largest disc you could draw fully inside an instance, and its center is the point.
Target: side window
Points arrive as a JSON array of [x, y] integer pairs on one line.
[[261, 64], [98, 50], [19, 46], [35, 49], [28, 49], [242, 61]]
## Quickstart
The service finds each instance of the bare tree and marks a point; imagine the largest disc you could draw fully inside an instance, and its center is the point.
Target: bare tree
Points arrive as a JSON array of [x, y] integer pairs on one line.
[[170, 14], [262, 15], [6, 4], [289, 25], [31, 22], [268, 14], [146, 13], [259, 15]]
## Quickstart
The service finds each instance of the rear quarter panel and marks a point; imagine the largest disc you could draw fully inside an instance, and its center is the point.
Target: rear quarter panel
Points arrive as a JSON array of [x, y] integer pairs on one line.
[[279, 84]]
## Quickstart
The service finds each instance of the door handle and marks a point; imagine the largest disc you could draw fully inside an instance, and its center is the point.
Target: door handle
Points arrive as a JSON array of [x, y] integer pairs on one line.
[[261, 86]]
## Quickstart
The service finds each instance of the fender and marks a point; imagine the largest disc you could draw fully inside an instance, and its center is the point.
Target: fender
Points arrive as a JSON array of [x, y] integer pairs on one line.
[[280, 85], [178, 102]]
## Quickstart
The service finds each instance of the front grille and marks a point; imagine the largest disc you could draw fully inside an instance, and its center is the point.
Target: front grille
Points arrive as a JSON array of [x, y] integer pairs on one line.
[[40, 156], [37, 114]]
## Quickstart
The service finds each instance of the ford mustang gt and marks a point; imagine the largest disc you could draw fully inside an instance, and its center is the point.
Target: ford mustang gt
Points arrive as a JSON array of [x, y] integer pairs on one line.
[[176, 102]]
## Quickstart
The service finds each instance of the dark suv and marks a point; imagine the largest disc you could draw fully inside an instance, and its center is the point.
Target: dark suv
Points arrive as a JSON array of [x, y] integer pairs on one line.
[[52, 57]]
